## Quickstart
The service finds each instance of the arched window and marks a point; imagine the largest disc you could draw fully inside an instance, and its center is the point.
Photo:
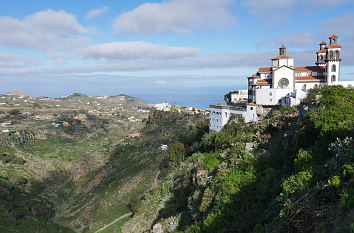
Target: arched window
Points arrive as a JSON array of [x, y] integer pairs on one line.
[[331, 55], [337, 55], [321, 57], [333, 68], [304, 87], [333, 78]]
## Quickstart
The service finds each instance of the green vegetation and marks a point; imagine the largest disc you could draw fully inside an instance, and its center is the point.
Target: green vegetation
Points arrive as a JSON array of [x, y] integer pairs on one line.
[[290, 172], [297, 178]]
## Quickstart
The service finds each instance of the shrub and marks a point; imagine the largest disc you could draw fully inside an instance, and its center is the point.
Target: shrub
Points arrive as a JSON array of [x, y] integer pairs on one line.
[[297, 183], [207, 199], [210, 161], [14, 112], [175, 154], [303, 160]]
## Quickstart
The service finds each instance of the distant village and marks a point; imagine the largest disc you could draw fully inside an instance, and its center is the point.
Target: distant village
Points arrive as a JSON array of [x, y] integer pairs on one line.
[[47, 110], [167, 107]]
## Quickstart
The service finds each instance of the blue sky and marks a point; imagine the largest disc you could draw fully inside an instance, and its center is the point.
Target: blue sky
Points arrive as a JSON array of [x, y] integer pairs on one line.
[[107, 47]]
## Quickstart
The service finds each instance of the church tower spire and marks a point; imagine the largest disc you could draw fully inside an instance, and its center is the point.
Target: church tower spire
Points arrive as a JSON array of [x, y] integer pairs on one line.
[[333, 61], [282, 50], [321, 54]]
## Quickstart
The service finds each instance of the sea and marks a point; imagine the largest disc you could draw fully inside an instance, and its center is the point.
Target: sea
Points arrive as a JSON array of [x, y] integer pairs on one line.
[[194, 92]]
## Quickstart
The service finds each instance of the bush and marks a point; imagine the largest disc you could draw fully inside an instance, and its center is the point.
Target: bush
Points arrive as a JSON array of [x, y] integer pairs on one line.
[[297, 183], [207, 199], [14, 112], [210, 161], [175, 154], [303, 160]]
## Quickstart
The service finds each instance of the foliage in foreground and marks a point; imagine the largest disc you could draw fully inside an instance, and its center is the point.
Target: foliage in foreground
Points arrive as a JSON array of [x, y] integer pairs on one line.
[[298, 177]]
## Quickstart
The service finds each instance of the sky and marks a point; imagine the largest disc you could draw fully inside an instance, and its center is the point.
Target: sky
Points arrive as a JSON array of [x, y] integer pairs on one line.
[[185, 51]]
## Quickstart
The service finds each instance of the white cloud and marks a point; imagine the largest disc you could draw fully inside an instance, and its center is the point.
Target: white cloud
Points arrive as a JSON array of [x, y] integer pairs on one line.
[[175, 16], [276, 13], [137, 50], [270, 11], [294, 39], [15, 61], [45, 30], [341, 26], [97, 12]]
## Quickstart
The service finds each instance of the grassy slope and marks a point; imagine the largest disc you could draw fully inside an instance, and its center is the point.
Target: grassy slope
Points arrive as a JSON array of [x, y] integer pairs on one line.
[[289, 182], [87, 178], [57, 164]]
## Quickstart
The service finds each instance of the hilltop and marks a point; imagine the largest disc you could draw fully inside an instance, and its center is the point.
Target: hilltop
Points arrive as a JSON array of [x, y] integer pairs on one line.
[[20, 93]]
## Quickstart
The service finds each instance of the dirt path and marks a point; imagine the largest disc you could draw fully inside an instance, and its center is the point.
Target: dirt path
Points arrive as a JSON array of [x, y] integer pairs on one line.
[[116, 220]]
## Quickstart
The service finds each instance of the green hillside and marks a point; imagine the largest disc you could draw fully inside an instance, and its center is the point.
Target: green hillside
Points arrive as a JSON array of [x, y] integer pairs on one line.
[[290, 172], [287, 173]]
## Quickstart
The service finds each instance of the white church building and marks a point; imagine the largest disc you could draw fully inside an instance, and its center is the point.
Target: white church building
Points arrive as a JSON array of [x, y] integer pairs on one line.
[[283, 83]]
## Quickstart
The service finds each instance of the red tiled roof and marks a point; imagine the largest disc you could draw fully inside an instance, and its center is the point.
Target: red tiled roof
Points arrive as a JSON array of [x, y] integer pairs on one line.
[[263, 82], [264, 69], [251, 104], [323, 43], [310, 79], [333, 36], [281, 57], [322, 51], [254, 76], [282, 47], [309, 69], [334, 46]]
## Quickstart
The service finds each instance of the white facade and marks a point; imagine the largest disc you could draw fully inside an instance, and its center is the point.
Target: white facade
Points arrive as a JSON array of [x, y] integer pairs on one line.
[[270, 96], [220, 114], [284, 75], [163, 107], [284, 83], [241, 95]]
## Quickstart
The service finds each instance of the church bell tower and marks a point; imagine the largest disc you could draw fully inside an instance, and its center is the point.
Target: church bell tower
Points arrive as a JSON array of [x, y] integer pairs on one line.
[[333, 61]]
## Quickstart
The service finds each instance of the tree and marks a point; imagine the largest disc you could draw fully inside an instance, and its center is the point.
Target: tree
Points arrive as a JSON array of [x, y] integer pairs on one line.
[[227, 97], [14, 111], [175, 154]]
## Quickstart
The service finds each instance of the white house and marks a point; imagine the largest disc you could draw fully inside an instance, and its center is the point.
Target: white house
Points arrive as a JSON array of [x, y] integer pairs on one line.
[[163, 107], [221, 113], [239, 95], [283, 83]]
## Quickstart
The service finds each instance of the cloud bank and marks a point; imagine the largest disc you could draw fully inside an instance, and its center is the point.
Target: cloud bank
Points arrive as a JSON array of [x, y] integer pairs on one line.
[[137, 50], [47, 30], [175, 16]]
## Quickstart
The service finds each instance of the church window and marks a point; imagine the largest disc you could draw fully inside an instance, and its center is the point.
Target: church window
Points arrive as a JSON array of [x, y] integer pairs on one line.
[[333, 68], [304, 87], [331, 55], [283, 83], [333, 78], [337, 55], [321, 57]]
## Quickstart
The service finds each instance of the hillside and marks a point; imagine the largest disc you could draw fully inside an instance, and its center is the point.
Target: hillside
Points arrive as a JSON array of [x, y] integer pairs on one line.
[[51, 148], [69, 164], [291, 172]]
